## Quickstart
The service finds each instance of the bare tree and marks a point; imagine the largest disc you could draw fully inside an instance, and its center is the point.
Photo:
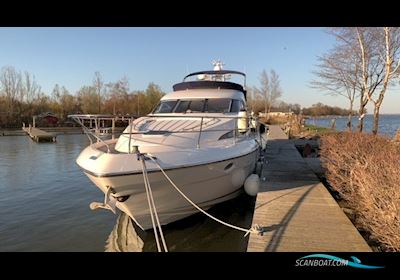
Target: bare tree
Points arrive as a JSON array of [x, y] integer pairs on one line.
[[68, 102], [10, 84], [264, 89], [389, 53], [270, 89], [363, 44], [153, 95], [88, 99], [118, 97], [30, 91], [371, 68], [338, 74], [275, 89], [98, 85]]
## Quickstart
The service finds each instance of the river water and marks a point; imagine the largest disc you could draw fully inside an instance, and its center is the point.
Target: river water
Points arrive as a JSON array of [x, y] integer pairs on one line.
[[388, 124], [44, 205]]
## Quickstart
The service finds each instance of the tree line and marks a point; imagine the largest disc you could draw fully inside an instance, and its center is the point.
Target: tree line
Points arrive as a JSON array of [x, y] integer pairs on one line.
[[21, 97], [266, 98], [320, 109], [361, 67]]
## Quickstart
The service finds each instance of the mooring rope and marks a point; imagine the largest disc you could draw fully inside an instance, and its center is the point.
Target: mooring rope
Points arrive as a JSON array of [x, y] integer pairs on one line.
[[153, 209], [255, 229]]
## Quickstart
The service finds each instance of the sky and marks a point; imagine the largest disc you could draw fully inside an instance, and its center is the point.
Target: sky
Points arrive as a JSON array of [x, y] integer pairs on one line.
[[70, 57]]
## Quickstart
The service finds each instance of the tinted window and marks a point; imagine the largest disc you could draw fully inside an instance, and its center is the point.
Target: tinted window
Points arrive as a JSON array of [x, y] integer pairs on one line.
[[165, 106], [242, 106], [215, 105], [235, 107], [218, 105], [196, 106], [182, 106]]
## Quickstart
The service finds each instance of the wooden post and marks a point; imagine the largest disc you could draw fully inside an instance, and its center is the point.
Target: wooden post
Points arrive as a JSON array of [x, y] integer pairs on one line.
[[113, 128], [34, 121], [333, 123]]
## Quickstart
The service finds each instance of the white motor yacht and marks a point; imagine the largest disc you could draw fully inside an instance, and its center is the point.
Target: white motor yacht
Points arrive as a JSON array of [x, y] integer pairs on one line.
[[200, 134]]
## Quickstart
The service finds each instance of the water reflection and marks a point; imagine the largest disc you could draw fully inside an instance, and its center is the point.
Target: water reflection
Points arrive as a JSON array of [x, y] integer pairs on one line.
[[44, 206], [124, 237], [196, 233]]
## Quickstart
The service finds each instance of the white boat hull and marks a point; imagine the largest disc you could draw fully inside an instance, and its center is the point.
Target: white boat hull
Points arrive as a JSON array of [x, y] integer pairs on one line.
[[205, 184]]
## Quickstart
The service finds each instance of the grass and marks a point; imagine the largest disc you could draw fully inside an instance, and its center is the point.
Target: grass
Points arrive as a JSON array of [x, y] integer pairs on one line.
[[276, 120], [318, 129], [293, 126]]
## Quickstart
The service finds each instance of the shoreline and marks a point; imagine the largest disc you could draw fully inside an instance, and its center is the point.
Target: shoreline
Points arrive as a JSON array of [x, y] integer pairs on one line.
[[55, 130]]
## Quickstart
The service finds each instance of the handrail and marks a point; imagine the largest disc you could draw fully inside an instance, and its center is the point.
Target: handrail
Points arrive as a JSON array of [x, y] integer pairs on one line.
[[198, 139], [80, 118], [88, 132], [100, 116], [130, 135]]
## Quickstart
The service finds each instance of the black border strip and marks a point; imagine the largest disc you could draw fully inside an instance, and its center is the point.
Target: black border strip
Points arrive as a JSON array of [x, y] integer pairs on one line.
[[154, 171]]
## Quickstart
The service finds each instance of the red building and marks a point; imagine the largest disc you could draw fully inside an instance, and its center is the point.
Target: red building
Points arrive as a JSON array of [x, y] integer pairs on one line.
[[47, 119]]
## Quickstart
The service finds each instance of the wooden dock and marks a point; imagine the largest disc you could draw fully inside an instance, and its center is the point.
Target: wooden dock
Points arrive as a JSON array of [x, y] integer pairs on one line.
[[295, 209], [39, 135]]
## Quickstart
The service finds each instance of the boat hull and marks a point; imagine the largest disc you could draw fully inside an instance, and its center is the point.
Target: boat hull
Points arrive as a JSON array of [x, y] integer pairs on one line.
[[206, 185]]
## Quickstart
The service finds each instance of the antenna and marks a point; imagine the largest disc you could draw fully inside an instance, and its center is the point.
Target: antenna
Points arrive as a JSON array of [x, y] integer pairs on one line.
[[218, 64]]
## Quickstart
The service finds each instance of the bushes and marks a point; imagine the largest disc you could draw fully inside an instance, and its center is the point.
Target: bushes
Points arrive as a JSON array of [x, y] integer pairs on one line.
[[276, 120], [365, 170]]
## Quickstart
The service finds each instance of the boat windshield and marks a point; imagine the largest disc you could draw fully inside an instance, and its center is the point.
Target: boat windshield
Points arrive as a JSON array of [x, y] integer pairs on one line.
[[214, 105]]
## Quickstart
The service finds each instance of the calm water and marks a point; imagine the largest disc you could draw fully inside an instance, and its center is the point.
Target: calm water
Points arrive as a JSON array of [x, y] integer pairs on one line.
[[44, 205], [388, 124]]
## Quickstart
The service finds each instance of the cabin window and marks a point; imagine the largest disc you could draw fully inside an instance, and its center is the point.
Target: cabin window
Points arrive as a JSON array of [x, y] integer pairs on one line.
[[237, 105], [218, 105], [165, 106], [212, 105], [196, 106], [182, 107], [190, 106]]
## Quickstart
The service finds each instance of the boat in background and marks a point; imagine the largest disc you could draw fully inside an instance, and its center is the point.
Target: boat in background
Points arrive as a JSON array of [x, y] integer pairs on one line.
[[201, 135]]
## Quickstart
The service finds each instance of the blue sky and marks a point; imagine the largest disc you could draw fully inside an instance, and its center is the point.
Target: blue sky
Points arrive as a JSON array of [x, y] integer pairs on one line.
[[70, 56]]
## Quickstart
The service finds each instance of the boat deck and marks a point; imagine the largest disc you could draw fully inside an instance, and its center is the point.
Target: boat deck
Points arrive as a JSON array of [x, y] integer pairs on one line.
[[295, 209]]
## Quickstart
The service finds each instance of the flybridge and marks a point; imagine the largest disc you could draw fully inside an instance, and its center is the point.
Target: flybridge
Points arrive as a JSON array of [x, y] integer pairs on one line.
[[212, 79]]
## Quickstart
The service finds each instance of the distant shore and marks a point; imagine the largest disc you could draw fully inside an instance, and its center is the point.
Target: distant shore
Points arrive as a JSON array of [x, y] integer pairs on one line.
[[343, 116], [56, 130]]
